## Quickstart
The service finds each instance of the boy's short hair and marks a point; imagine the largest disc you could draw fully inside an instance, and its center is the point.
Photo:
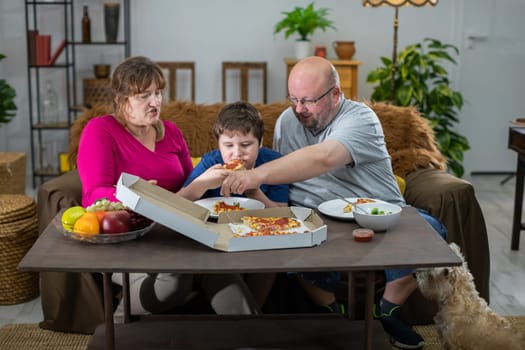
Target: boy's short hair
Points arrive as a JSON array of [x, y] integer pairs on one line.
[[239, 116]]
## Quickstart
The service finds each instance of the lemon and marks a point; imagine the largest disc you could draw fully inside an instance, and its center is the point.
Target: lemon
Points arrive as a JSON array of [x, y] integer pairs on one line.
[[71, 215]]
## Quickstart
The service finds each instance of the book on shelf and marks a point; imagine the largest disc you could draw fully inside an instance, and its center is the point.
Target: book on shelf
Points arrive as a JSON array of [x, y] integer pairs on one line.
[[31, 39], [40, 49], [43, 49], [57, 52]]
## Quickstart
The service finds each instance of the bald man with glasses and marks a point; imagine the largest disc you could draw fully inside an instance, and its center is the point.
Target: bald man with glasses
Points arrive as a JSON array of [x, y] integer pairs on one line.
[[331, 144]]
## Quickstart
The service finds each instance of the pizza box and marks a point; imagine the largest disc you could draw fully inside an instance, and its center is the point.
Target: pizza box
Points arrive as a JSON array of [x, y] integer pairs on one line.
[[190, 219]]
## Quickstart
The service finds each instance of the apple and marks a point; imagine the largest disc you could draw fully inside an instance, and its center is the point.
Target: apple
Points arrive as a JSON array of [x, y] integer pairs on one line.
[[116, 221]]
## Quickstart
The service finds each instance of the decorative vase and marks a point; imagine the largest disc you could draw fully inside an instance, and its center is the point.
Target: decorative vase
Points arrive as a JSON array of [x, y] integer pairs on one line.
[[303, 49], [344, 50], [111, 20]]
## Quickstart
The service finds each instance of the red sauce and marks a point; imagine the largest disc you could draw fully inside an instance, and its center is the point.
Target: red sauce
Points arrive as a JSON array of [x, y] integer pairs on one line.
[[363, 234]]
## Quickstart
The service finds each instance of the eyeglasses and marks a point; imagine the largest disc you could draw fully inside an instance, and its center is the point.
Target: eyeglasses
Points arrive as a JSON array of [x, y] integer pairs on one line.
[[308, 102]]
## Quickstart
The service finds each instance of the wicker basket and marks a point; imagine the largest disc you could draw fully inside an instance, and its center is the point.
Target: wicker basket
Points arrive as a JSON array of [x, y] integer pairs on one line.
[[97, 91], [18, 232], [12, 173]]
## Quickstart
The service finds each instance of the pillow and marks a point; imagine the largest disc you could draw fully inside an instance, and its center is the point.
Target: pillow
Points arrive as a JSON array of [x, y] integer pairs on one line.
[[401, 183], [195, 161]]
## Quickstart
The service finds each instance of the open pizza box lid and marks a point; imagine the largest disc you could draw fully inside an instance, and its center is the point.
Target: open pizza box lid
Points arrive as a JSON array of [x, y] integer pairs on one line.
[[190, 219]]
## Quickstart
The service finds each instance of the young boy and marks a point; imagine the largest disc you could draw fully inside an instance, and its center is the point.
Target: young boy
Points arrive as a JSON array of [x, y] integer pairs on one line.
[[239, 130]]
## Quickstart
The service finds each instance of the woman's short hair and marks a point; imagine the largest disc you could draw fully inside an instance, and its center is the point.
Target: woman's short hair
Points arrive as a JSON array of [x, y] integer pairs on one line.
[[134, 76]]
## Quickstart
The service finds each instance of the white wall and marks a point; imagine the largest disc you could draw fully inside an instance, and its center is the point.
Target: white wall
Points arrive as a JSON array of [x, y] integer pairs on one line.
[[211, 31]]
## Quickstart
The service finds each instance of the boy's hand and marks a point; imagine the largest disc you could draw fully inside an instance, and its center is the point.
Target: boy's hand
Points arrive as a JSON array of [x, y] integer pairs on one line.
[[213, 176]]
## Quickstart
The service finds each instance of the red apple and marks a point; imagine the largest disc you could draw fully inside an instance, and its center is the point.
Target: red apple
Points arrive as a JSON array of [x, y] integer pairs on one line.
[[116, 221]]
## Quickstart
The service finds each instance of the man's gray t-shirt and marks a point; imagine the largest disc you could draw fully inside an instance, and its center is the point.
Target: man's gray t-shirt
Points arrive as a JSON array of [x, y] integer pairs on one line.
[[357, 127]]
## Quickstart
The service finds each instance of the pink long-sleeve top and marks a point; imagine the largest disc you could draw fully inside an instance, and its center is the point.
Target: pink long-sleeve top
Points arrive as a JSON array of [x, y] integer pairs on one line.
[[106, 149]]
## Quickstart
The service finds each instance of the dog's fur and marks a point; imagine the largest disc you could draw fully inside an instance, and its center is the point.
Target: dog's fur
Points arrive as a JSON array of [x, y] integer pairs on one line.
[[464, 320]]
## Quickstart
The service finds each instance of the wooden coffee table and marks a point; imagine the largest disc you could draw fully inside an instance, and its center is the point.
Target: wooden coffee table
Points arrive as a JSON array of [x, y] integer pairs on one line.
[[412, 243]]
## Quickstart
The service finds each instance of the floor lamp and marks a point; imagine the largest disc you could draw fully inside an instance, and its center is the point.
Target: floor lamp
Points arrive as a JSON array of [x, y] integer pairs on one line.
[[396, 4]]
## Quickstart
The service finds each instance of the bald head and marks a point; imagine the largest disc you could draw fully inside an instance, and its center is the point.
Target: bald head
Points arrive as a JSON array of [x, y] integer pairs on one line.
[[314, 91], [312, 73]]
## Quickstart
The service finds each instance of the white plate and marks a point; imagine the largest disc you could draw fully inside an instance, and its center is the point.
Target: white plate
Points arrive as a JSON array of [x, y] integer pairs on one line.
[[246, 203], [334, 208]]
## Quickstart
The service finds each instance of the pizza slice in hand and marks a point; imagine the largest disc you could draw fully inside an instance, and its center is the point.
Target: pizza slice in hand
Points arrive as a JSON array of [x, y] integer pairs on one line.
[[234, 164]]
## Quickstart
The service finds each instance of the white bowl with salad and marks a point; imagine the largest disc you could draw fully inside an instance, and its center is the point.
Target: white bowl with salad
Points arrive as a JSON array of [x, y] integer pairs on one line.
[[378, 216]]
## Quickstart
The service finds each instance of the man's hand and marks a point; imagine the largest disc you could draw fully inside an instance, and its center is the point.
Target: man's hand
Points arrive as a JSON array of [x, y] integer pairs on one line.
[[239, 181]]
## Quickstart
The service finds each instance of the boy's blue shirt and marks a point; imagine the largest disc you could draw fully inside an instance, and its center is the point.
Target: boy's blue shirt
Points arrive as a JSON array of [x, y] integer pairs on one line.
[[277, 193]]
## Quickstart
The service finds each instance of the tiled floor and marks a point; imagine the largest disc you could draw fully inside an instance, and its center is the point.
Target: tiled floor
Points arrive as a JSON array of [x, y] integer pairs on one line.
[[507, 267]]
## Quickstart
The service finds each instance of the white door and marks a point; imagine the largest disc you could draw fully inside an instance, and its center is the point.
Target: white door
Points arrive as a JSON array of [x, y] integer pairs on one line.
[[492, 80]]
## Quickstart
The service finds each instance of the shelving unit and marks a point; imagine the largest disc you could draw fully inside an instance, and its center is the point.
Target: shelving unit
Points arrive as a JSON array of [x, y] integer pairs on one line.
[[61, 18]]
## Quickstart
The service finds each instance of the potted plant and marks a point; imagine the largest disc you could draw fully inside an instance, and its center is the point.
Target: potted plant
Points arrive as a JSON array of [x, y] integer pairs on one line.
[[7, 98], [304, 21], [422, 81]]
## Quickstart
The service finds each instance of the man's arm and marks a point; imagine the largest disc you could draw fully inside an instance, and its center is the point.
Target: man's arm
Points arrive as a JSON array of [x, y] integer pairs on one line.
[[299, 165]]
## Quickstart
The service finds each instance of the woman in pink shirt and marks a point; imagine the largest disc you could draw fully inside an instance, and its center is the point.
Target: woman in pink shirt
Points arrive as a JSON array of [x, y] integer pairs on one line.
[[134, 140]]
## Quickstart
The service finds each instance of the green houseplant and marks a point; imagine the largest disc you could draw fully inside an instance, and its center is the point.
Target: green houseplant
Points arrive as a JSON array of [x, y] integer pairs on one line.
[[421, 80], [7, 98], [304, 21]]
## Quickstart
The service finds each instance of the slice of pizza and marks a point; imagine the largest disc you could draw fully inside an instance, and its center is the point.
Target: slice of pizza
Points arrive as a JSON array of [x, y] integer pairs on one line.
[[234, 164], [221, 206], [263, 224], [364, 200], [264, 233]]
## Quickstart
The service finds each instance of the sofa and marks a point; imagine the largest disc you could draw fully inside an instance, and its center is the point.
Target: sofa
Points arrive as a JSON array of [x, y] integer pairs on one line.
[[72, 302]]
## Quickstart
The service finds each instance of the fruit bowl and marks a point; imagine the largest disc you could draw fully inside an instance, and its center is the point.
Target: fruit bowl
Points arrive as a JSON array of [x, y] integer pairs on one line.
[[378, 216], [101, 238]]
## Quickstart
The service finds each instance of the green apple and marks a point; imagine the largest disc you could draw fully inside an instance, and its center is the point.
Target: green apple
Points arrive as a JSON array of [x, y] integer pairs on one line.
[[71, 215]]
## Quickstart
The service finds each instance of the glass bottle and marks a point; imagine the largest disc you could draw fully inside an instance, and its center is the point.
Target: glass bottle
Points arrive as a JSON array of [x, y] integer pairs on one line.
[[86, 26], [49, 105]]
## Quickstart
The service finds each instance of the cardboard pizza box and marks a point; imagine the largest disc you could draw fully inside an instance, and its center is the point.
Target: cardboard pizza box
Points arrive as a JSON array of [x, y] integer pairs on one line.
[[190, 219]]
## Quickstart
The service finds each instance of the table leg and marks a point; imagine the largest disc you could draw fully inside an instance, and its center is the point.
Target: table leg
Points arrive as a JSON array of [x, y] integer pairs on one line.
[[351, 304], [108, 311], [125, 297], [518, 205], [369, 304]]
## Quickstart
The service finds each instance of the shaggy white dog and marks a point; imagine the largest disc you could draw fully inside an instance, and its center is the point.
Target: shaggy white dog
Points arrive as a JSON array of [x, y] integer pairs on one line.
[[464, 320]]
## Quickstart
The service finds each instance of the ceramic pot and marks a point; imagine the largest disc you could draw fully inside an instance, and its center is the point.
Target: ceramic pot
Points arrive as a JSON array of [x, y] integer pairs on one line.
[[320, 51], [101, 71], [303, 49], [344, 50]]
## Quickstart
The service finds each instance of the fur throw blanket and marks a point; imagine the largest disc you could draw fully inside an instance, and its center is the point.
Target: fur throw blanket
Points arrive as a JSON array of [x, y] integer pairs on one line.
[[409, 138]]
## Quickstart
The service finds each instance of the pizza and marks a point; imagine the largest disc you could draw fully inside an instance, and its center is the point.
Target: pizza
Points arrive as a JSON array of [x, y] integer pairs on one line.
[[234, 164], [364, 200], [272, 223], [264, 233], [348, 208], [221, 206]]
